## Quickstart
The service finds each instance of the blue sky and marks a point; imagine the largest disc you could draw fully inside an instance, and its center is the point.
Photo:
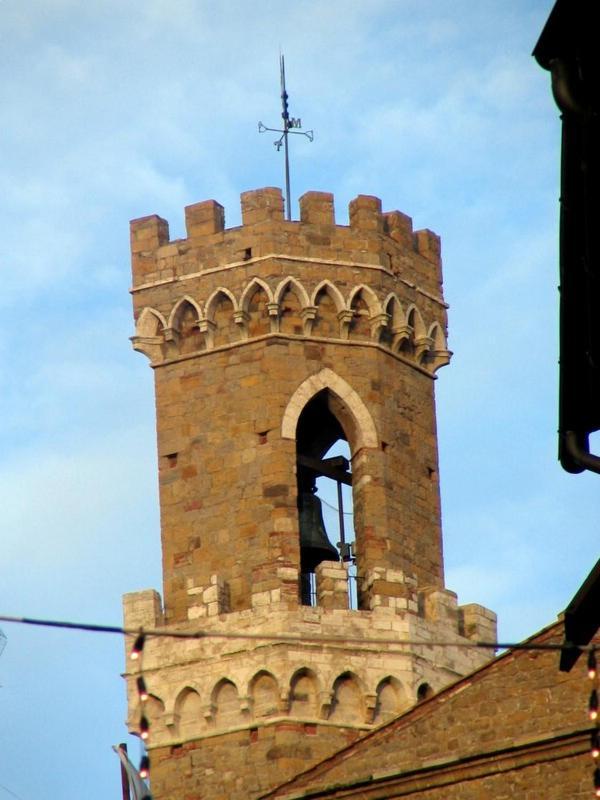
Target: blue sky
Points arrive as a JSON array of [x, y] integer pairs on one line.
[[113, 110]]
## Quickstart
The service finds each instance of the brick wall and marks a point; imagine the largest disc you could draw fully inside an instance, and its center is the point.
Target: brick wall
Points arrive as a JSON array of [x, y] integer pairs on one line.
[[516, 728]]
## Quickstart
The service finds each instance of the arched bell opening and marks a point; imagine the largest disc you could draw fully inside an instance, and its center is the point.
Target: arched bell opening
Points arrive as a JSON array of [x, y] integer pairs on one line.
[[337, 506], [324, 485]]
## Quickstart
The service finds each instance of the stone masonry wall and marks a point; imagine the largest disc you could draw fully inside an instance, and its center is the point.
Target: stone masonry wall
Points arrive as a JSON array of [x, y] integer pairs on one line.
[[237, 716], [234, 322]]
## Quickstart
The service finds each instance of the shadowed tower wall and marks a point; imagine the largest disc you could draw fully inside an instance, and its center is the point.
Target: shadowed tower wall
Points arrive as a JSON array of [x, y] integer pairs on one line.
[[269, 342]]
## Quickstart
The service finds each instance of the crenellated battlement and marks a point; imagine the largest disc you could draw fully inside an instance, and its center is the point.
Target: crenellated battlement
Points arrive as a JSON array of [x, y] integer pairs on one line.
[[373, 238], [270, 683], [374, 281]]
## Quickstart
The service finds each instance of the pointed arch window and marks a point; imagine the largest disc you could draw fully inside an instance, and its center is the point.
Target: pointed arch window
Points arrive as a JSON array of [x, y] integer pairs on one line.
[[320, 461]]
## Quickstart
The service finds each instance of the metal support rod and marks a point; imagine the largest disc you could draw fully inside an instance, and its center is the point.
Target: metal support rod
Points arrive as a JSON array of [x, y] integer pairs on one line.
[[288, 202], [286, 126], [341, 514], [346, 559], [290, 125]]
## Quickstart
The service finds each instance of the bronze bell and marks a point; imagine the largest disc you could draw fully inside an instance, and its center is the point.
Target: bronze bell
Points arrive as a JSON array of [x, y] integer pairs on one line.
[[314, 544]]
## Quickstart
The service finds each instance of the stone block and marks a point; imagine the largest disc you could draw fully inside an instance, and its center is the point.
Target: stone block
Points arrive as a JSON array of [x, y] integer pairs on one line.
[[441, 605], [287, 573], [317, 208], [261, 599], [365, 214], [394, 576], [427, 244], [399, 227], [211, 594], [196, 612], [262, 205], [477, 623], [203, 219], [148, 233], [142, 609]]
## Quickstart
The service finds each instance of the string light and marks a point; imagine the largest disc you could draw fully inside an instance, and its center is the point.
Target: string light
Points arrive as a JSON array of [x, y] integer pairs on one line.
[[141, 635], [141, 687], [593, 705], [144, 769], [591, 665], [595, 743], [137, 654], [592, 672], [138, 647]]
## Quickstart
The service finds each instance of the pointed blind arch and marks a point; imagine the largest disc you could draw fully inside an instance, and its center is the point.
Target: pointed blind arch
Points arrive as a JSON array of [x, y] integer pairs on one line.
[[365, 434]]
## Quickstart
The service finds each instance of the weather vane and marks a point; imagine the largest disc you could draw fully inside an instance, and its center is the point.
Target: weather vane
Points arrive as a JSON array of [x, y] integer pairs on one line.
[[290, 125]]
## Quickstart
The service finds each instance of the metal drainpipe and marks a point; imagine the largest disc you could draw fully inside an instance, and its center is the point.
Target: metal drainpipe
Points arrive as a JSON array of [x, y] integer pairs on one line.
[[581, 455]]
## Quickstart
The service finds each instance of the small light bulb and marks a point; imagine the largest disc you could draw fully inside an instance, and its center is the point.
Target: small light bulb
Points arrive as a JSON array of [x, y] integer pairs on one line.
[[595, 744], [144, 769], [593, 707], [141, 687], [138, 646], [144, 727]]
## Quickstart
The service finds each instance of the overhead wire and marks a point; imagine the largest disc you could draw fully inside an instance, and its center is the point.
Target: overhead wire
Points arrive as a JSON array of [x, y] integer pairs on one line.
[[335, 508], [10, 792], [142, 633]]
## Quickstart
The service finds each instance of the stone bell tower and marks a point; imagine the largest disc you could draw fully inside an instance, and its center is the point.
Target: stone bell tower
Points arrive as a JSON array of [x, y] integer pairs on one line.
[[270, 342]]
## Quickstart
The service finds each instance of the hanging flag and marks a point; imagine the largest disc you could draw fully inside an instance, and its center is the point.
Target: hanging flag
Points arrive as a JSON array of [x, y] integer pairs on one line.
[[139, 790]]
